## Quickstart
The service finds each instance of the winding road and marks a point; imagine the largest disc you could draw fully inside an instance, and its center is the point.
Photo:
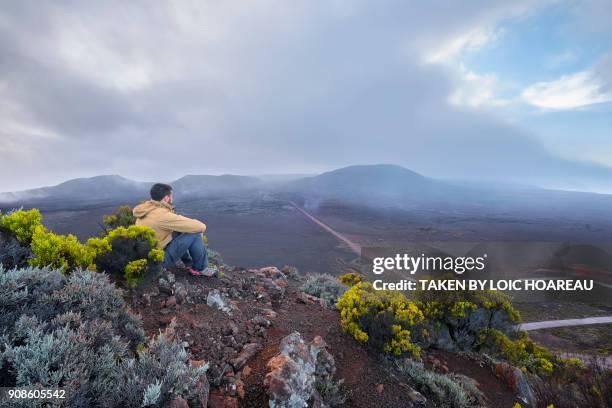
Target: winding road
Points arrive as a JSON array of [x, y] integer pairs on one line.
[[547, 324]]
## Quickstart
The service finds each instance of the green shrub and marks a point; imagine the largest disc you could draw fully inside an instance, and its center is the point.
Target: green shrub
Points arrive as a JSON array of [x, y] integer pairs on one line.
[[122, 217], [135, 271], [324, 286], [160, 373], [449, 320], [576, 385], [521, 352], [22, 223], [129, 253], [76, 332], [450, 391], [381, 319], [45, 293], [459, 303], [63, 252], [126, 252], [351, 278]]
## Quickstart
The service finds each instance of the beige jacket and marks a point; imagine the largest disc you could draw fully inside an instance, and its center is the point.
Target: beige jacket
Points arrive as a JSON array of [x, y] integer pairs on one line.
[[161, 218]]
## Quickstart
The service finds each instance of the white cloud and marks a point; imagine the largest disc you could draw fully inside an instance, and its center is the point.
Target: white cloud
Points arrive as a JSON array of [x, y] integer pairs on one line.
[[476, 90], [471, 90], [568, 92], [267, 86], [470, 41]]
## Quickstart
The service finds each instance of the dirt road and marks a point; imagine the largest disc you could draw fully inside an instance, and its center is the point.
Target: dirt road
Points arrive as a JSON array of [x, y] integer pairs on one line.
[[350, 244]]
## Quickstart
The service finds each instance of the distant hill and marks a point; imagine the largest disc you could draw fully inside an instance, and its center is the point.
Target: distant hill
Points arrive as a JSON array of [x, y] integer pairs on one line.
[[391, 186], [377, 185], [98, 188], [113, 188]]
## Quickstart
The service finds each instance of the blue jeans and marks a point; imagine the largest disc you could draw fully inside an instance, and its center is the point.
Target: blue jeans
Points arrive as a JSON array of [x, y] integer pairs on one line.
[[189, 248]]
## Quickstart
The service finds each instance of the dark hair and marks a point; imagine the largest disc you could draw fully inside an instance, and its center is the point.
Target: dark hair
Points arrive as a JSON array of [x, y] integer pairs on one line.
[[160, 190]]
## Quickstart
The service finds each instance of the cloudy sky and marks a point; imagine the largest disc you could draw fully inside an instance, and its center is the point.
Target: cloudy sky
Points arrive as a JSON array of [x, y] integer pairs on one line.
[[517, 91]]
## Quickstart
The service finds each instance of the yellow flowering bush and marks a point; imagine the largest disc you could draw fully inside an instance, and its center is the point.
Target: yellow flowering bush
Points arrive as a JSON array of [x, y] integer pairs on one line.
[[460, 320], [123, 217], [459, 303], [522, 352], [22, 223], [128, 252], [134, 272], [350, 279], [63, 252], [382, 319]]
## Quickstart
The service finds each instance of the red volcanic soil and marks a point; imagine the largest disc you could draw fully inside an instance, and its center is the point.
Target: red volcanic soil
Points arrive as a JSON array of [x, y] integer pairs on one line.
[[368, 381]]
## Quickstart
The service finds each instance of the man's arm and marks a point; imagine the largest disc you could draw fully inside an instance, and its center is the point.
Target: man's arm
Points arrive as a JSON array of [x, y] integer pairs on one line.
[[178, 223]]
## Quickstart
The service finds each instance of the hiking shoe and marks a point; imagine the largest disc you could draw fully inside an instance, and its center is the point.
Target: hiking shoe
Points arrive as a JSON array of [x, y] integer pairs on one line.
[[194, 272], [210, 271]]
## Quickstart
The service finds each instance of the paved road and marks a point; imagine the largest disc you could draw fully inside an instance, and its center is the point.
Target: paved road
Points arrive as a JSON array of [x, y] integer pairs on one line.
[[548, 324]]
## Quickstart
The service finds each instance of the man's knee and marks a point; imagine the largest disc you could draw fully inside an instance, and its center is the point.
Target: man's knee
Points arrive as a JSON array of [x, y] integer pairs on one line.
[[192, 235]]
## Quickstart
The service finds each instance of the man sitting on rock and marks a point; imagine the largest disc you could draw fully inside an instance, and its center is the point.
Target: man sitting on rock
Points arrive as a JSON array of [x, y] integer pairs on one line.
[[180, 237]]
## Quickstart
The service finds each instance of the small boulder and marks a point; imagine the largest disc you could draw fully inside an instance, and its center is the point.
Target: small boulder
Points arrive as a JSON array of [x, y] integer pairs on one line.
[[181, 293], [272, 272], [261, 321], [305, 298], [247, 352], [291, 271], [516, 380], [220, 301], [165, 286], [292, 374]]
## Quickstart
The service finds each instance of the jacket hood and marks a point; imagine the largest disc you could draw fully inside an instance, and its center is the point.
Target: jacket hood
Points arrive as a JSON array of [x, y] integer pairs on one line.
[[144, 208]]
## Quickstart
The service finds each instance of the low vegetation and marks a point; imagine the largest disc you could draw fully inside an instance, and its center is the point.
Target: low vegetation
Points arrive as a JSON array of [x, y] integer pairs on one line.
[[521, 352], [21, 223], [351, 278], [469, 320], [381, 319], [480, 321], [63, 252], [324, 286], [122, 217], [13, 254], [128, 253], [576, 385], [75, 332], [448, 391]]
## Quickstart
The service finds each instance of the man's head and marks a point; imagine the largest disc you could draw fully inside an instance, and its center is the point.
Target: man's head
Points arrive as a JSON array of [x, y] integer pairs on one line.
[[161, 192]]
